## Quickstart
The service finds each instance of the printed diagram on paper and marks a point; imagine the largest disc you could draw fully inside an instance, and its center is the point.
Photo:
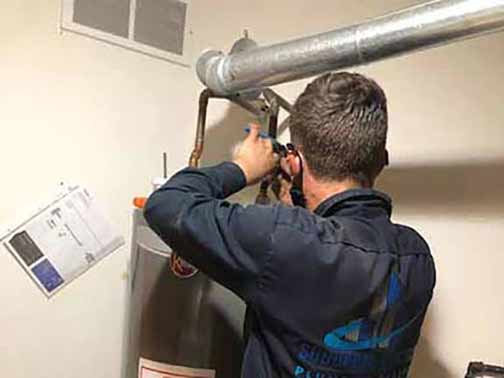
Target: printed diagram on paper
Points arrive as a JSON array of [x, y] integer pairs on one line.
[[152, 369], [62, 240]]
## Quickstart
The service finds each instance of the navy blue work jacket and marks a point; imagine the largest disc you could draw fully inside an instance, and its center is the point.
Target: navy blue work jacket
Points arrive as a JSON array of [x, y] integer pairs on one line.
[[338, 292]]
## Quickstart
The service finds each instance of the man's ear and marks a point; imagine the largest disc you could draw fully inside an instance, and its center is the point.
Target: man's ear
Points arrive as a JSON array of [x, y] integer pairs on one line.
[[295, 164], [290, 165], [379, 168]]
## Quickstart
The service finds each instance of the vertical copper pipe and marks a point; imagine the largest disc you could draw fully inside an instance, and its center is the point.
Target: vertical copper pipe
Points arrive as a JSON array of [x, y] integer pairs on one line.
[[200, 128], [176, 262]]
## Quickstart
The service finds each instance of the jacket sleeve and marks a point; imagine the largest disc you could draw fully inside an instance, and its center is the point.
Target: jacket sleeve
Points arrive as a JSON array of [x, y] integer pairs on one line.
[[228, 242]]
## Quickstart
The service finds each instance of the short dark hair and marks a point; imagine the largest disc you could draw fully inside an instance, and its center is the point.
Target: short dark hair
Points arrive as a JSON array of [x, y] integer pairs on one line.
[[340, 121]]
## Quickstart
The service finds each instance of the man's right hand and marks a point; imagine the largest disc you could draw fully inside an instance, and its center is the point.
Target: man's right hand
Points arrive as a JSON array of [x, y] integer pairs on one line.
[[255, 156]]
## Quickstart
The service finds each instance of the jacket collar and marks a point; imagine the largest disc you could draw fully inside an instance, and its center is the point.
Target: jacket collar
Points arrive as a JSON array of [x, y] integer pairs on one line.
[[354, 201]]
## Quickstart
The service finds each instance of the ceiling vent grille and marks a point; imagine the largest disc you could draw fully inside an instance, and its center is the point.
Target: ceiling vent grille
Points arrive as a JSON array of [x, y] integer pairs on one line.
[[157, 28]]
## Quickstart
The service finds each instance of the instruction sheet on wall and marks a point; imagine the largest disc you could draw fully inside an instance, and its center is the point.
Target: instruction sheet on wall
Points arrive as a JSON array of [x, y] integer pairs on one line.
[[62, 239]]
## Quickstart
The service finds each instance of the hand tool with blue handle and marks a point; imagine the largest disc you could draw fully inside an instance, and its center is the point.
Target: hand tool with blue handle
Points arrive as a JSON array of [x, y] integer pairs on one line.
[[278, 148]]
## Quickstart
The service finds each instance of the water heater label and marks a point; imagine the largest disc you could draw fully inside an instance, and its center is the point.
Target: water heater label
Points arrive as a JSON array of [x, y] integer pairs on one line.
[[153, 369]]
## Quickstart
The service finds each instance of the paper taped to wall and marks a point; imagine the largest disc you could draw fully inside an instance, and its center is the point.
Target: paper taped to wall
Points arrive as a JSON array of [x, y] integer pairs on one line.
[[152, 369], [62, 239]]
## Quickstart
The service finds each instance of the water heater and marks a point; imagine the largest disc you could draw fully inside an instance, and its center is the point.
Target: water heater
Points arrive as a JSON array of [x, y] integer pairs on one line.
[[189, 325]]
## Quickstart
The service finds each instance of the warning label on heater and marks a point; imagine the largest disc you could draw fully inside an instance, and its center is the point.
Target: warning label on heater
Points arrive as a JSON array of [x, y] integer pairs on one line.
[[152, 369]]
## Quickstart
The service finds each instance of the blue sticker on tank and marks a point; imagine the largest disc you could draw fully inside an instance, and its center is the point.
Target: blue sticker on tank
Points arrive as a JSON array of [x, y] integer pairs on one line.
[[47, 275]]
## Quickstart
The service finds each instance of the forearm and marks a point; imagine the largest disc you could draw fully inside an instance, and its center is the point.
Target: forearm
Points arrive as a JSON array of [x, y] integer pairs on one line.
[[188, 187], [190, 215], [218, 182]]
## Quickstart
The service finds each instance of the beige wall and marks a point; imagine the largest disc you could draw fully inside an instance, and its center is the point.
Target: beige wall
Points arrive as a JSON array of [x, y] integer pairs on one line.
[[76, 109]]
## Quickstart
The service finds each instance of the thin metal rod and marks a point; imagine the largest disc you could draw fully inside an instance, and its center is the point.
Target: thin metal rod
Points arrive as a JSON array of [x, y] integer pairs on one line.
[[165, 165], [282, 102], [424, 26]]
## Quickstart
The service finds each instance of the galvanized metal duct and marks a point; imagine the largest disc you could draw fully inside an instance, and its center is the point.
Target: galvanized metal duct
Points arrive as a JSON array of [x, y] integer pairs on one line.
[[426, 25]]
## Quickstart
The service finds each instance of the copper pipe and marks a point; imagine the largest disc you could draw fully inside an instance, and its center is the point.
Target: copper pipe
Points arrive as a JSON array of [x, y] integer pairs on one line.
[[204, 98], [262, 197], [199, 143]]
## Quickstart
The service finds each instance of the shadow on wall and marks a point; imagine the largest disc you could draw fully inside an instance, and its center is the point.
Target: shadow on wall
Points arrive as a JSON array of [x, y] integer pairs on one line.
[[470, 190], [474, 189], [427, 363]]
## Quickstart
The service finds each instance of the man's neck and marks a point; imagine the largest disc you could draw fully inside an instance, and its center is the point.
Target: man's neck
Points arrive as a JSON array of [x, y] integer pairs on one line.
[[317, 191]]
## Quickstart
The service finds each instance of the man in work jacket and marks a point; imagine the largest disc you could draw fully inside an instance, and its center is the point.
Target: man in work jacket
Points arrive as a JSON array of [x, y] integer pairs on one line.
[[333, 288]]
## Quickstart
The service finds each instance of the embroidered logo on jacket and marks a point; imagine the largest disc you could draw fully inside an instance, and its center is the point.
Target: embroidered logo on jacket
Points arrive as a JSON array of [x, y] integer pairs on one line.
[[345, 348]]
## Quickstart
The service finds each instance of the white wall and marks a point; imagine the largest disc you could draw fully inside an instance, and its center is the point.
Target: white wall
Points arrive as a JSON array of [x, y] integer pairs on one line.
[[76, 109]]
